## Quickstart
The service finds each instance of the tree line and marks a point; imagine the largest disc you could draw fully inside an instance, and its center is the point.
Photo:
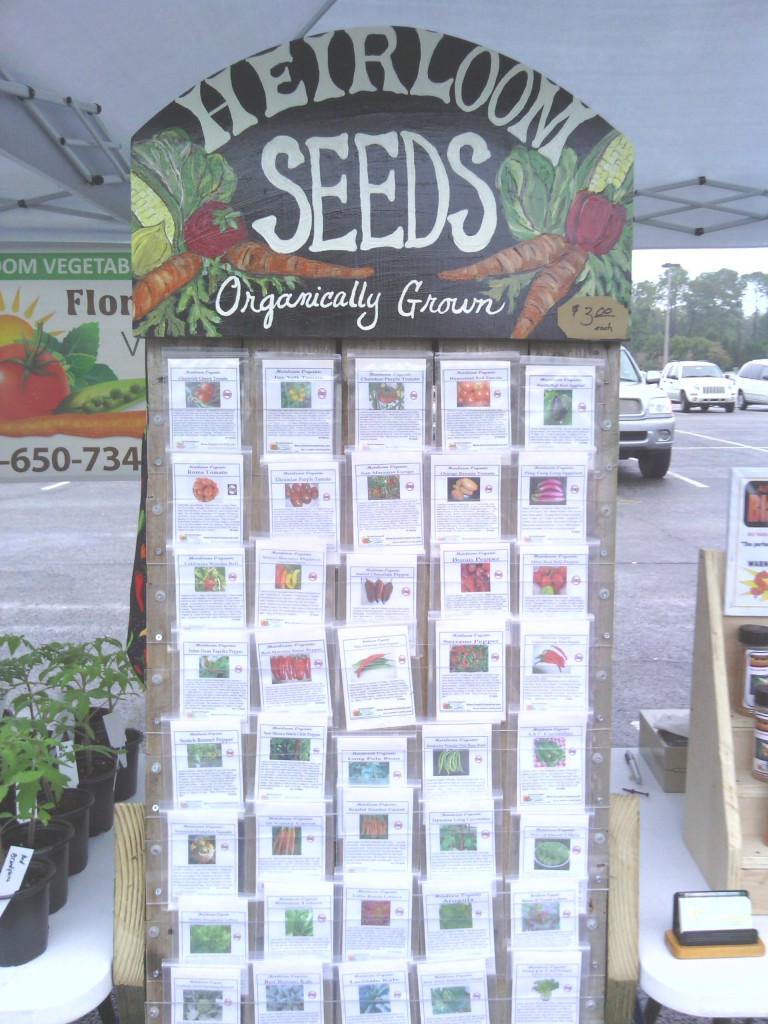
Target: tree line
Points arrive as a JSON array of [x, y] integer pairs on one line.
[[706, 318]]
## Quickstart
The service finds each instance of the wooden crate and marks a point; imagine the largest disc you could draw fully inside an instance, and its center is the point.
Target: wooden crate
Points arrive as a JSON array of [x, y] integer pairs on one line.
[[726, 808]]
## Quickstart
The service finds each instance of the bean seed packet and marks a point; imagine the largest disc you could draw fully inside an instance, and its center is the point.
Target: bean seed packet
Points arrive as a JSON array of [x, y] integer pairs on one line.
[[457, 761]]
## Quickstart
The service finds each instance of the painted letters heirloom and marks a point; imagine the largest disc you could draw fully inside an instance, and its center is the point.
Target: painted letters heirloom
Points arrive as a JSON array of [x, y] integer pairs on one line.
[[377, 182]]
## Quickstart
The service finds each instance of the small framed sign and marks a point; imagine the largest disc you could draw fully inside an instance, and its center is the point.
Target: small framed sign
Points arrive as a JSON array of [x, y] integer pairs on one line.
[[717, 918]]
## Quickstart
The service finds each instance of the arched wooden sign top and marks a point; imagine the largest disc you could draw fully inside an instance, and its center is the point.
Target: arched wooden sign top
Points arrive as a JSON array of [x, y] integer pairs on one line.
[[380, 182]]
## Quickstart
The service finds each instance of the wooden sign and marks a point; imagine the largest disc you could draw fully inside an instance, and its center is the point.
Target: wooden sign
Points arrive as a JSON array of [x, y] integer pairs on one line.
[[378, 182]]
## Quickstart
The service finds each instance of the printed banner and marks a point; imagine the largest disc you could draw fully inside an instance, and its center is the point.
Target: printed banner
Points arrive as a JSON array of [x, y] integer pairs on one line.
[[72, 378], [746, 575]]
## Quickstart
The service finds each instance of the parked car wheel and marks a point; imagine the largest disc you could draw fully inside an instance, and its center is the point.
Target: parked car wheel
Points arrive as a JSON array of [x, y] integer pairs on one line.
[[686, 405], [654, 465], [743, 403], [729, 406]]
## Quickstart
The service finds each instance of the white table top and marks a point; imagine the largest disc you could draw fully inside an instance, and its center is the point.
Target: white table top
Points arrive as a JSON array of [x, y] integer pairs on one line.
[[735, 987], [74, 974]]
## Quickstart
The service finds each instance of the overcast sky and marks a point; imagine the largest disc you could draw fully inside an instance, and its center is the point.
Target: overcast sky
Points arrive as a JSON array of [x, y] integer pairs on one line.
[[647, 263]]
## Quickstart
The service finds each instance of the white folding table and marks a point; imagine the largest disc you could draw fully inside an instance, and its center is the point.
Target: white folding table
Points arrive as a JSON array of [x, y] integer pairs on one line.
[[74, 975], [718, 989]]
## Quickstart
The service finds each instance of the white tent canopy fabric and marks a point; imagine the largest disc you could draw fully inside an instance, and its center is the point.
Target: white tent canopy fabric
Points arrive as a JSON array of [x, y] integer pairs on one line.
[[686, 80]]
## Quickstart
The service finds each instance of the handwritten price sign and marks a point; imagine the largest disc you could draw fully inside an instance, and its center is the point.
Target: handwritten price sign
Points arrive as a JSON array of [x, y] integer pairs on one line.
[[596, 318]]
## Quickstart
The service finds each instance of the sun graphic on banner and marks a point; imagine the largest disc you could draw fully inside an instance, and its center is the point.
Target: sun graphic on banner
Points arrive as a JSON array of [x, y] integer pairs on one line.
[[17, 320], [757, 583]]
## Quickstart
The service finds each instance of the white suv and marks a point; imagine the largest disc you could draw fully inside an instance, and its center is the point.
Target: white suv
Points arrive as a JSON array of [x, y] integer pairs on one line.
[[698, 383], [646, 420]]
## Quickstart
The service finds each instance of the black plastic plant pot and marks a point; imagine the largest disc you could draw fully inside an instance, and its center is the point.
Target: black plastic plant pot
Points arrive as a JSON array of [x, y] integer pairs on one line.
[[51, 842], [97, 731], [24, 922], [75, 807], [99, 779], [128, 774]]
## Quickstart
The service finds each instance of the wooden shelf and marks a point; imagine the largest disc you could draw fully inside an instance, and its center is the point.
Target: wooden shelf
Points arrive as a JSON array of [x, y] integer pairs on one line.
[[726, 808]]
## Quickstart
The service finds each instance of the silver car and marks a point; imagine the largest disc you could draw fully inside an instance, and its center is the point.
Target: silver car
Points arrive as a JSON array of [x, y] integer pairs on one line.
[[752, 383], [646, 420]]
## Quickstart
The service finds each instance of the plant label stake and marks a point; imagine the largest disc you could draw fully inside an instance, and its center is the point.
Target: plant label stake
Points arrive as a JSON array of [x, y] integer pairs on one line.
[[12, 873]]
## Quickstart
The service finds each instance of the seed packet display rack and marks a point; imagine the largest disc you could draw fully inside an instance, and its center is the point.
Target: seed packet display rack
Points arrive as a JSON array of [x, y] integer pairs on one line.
[[227, 806]]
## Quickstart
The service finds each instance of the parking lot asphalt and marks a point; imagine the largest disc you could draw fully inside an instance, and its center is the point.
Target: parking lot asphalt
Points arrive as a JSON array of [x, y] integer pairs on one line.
[[69, 554], [661, 525]]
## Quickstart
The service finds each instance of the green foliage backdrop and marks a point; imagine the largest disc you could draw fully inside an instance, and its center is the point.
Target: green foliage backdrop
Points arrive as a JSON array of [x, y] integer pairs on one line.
[[707, 318]]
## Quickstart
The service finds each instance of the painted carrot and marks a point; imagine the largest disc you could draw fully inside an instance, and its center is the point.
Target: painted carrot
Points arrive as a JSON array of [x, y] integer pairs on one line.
[[255, 258], [81, 424], [547, 288], [528, 255], [163, 281]]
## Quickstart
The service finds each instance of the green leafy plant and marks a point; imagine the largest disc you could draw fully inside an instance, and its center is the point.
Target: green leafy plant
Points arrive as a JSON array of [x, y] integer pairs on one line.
[[63, 687], [552, 853], [299, 923], [374, 999], [204, 755], [203, 1004], [458, 837], [454, 915], [541, 916], [548, 752], [286, 998], [213, 939], [545, 987], [289, 748], [100, 668], [451, 999], [32, 769]]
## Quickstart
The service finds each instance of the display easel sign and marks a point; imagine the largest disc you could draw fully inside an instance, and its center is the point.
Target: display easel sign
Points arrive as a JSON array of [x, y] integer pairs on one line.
[[379, 467], [746, 570]]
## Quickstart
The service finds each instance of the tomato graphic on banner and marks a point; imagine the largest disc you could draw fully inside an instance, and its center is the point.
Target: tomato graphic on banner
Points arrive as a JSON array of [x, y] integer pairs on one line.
[[72, 379]]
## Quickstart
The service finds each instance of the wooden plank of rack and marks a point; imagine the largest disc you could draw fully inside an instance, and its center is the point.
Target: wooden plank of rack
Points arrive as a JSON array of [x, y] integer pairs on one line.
[[623, 909], [129, 939], [712, 822]]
